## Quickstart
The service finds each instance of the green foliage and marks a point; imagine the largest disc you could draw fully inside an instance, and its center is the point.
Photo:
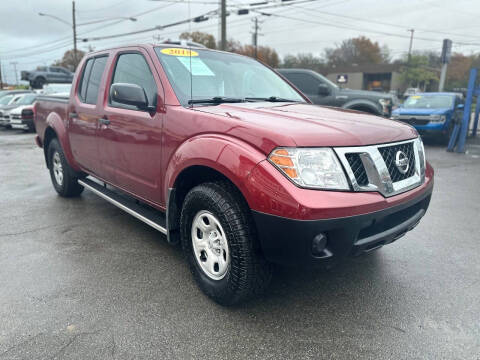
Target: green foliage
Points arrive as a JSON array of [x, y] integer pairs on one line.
[[304, 61], [418, 73]]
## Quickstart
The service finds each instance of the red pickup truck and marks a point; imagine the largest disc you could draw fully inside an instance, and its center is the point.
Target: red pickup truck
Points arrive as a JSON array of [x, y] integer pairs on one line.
[[226, 157]]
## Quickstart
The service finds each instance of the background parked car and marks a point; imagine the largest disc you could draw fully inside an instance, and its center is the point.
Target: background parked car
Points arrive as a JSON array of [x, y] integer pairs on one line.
[[21, 117], [322, 91], [47, 74], [50, 89], [13, 92], [410, 91], [432, 114], [7, 103]]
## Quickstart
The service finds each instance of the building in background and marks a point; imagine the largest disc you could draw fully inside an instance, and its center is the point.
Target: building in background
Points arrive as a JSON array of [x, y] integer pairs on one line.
[[376, 77]]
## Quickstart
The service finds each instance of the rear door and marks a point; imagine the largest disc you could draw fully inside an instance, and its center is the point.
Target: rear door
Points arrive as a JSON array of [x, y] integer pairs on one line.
[[130, 140], [84, 114]]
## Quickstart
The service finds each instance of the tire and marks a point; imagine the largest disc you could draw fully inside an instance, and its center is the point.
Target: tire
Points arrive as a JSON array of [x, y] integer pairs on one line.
[[63, 176], [38, 83], [243, 273]]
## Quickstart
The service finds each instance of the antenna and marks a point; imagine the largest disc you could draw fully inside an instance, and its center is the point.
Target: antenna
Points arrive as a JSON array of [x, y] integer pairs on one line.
[[191, 75]]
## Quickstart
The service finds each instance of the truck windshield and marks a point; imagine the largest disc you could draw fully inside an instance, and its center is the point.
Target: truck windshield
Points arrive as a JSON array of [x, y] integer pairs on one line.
[[27, 99], [197, 75], [429, 102]]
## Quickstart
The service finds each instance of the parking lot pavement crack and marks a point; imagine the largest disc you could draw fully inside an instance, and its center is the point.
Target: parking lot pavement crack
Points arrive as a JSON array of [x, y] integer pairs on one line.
[[21, 343], [62, 349]]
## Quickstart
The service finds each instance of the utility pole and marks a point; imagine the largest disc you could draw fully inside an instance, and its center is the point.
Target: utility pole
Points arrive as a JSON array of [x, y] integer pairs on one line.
[[255, 37], [14, 63], [446, 55], [74, 27], [411, 45], [1, 79], [223, 26]]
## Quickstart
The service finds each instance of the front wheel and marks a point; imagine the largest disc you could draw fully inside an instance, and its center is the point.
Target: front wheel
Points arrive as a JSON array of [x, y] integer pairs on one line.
[[63, 176], [219, 240]]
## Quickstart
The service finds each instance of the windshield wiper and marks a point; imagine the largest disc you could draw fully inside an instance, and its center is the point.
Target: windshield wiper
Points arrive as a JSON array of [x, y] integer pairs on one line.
[[270, 99], [216, 100]]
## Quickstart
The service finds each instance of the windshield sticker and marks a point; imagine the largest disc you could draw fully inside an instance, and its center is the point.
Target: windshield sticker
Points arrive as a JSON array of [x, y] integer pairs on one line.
[[199, 68], [179, 52]]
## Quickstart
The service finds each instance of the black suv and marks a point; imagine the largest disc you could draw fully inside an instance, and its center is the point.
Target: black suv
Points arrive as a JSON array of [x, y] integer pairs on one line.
[[322, 91]]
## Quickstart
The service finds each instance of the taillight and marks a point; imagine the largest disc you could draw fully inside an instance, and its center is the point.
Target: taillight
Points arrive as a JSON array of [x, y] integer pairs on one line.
[[27, 114]]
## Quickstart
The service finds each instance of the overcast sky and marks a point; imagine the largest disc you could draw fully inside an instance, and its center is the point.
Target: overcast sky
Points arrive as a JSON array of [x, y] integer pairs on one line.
[[31, 40]]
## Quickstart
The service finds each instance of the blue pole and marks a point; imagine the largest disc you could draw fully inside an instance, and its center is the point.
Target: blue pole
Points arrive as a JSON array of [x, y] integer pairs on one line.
[[467, 111], [477, 113]]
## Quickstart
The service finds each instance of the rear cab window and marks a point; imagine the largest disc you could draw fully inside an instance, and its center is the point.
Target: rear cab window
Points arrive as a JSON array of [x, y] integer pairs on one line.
[[91, 79]]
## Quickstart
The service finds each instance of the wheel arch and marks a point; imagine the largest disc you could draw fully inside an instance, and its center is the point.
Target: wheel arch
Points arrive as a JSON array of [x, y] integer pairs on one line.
[[363, 105], [222, 159], [56, 129]]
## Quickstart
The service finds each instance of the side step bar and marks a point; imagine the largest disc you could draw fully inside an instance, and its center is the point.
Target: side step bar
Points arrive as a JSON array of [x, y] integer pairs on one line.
[[148, 215]]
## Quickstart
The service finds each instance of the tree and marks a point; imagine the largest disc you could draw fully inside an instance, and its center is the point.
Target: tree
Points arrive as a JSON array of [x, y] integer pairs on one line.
[[458, 70], [265, 54], [68, 61], [418, 73], [304, 61], [200, 37], [360, 50]]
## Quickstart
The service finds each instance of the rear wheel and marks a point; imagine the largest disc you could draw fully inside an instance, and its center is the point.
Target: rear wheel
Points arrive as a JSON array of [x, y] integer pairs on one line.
[[63, 176], [219, 240]]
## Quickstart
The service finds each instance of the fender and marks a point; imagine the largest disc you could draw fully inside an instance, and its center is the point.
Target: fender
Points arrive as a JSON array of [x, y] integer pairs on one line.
[[363, 102], [55, 121], [227, 155]]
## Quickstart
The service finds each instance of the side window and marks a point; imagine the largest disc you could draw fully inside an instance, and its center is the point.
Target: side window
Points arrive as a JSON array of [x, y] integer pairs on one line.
[[94, 80], [133, 69], [305, 82], [82, 89]]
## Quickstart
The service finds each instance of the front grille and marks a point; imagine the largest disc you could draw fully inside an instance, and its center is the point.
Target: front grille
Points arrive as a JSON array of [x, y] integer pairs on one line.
[[358, 169], [389, 153], [16, 116], [414, 121]]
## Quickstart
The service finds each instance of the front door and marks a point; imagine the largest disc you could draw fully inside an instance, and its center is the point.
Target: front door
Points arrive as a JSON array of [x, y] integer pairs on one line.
[[129, 139]]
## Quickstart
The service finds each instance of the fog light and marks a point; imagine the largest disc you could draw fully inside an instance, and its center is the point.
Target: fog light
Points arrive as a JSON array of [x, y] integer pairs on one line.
[[319, 243]]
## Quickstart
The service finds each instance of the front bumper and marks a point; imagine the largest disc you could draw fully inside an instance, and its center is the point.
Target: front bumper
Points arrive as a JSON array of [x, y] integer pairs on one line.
[[289, 241], [21, 124]]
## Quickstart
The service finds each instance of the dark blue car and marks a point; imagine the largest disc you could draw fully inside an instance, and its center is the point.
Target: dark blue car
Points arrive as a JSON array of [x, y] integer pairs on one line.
[[432, 114]]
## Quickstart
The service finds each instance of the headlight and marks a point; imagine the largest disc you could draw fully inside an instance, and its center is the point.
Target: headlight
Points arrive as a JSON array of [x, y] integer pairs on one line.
[[385, 102], [395, 116], [437, 118], [316, 168], [421, 155]]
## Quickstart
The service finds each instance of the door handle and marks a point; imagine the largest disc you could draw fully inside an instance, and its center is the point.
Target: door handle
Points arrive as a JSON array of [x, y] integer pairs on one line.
[[104, 121], [73, 115]]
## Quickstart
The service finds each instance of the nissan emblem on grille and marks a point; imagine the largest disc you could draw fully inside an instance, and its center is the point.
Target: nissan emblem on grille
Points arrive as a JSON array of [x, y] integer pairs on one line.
[[401, 162]]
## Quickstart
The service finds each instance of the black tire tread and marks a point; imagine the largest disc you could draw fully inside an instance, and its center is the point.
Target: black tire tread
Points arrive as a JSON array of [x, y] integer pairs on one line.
[[252, 273], [70, 187]]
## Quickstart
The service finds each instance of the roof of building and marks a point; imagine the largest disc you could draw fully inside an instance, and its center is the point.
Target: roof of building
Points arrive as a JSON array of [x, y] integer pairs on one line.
[[365, 68]]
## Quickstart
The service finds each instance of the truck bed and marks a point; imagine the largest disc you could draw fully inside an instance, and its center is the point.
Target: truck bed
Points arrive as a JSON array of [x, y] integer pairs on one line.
[[47, 106]]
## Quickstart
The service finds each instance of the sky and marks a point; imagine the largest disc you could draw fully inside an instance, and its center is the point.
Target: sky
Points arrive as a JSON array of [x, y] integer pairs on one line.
[[309, 27]]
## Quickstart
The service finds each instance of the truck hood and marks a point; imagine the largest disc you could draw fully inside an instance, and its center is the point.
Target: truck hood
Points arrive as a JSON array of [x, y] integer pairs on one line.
[[287, 124], [413, 111]]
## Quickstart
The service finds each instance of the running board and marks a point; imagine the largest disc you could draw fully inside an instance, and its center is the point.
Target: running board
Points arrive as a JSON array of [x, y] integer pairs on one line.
[[145, 213]]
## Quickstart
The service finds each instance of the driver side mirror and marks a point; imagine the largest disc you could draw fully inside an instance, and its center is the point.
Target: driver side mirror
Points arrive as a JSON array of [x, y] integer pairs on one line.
[[129, 94], [323, 90]]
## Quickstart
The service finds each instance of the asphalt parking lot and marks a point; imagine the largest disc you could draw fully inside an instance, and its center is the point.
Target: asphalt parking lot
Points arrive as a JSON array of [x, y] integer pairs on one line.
[[80, 279]]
